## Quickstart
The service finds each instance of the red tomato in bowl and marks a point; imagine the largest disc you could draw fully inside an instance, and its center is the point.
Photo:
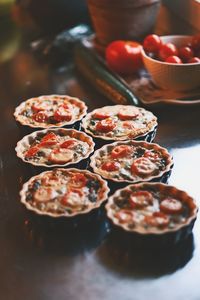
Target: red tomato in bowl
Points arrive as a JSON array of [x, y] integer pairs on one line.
[[152, 43], [173, 59], [124, 57], [194, 60], [185, 53], [167, 50]]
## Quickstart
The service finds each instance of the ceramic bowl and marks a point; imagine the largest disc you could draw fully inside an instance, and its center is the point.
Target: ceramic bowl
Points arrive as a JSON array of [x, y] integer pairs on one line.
[[177, 77]]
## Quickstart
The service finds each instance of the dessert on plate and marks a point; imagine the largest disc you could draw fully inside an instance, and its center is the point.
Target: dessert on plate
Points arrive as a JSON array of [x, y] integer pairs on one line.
[[55, 147], [64, 192]]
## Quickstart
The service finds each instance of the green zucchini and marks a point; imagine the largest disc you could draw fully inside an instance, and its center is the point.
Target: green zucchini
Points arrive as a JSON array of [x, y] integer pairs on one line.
[[94, 69]]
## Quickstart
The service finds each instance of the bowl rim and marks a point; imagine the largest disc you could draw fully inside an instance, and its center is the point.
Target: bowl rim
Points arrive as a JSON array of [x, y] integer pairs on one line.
[[144, 54]]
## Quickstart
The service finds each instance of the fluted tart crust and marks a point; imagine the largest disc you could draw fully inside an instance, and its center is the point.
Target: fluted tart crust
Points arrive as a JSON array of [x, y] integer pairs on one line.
[[64, 192], [55, 147], [50, 111]]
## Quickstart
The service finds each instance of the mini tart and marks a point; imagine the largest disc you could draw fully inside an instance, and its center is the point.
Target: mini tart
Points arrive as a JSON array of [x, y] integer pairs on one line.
[[50, 111], [64, 192], [55, 147], [132, 161], [152, 209], [119, 122]]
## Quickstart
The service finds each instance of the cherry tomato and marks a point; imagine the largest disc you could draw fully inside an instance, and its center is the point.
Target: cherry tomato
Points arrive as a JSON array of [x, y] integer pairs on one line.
[[128, 124], [110, 166], [158, 219], [121, 151], [185, 53], [105, 125], [36, 107], [153, 156], [171, 206], [194, 60], [101, 115], [40, 117], [72, 198], [32, 152], [61, 156], [140, 199], [128, 113], [152, 43], [78, 180], [196, 42], [50, 139], [68, 144], [167, 50], [143, 166], [62, 113], [173, 60], [124, 57], [124, 216]]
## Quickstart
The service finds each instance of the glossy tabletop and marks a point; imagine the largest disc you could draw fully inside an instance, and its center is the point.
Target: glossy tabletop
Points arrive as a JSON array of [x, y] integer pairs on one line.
[[51, 262]]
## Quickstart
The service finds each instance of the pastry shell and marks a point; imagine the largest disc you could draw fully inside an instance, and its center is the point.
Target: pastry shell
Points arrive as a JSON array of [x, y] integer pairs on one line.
[[147, 133], [103, 194], [29, 139], [72, 100], [159, 177], [163, 235]]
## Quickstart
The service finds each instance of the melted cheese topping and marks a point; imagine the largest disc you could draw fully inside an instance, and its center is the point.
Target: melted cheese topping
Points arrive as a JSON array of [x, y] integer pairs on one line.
[[137, 164], [52, 110], [64, 191], [128, 122], [56, 150], [148, 217]]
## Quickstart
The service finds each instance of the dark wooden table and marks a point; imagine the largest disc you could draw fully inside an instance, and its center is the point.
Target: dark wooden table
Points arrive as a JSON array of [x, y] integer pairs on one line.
[[39, 263]]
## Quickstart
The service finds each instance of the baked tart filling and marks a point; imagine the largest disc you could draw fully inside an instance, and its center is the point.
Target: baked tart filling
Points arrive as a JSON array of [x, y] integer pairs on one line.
[[54, 147], [50, 111], [64, 192], [131, 161], [119, 122], [151, 208]]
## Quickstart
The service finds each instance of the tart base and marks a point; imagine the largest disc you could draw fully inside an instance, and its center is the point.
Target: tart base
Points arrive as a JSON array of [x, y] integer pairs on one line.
[[148, 137], [145, 241], [62, 223], [63, 238], [25, 130], [127, 259]]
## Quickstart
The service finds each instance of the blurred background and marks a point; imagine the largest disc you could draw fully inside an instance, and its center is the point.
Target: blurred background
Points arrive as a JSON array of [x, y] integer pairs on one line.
[[38, 18]]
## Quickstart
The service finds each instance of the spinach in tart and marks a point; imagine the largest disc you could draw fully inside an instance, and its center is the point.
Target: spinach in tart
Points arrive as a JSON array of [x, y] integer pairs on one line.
[[64, 192], [50, 111], [119, 122], [131, 161], [152, 208], [55, 147]]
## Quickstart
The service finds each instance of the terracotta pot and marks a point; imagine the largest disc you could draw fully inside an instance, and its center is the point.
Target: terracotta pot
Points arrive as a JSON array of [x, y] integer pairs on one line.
[[122, 19]]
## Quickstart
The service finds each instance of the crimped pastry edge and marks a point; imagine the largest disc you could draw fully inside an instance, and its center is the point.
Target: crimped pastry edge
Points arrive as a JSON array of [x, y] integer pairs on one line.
[[34, 134], [136, 143], [89, 209], [19, 108]]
